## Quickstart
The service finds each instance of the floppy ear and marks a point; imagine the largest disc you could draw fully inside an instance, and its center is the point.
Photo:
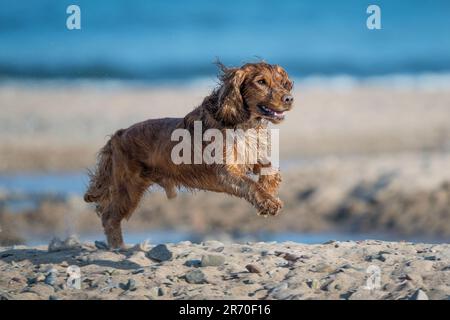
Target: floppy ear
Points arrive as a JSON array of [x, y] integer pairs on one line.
[[231, 104], [287, 83]]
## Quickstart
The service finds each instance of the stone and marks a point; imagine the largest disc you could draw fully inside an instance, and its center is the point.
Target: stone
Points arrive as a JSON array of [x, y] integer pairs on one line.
[[138, 271], [156, 292], [129, 286], [280, 291], [419, 295], [266, 253], [160, 253], [101, 245], [417, 278], [378, 256], [321, 267], [51, 278], [70, 243], [193, 263], [195, 277], [212, 260], [252, 268], [313, 284], [55, 245], [213, 244]]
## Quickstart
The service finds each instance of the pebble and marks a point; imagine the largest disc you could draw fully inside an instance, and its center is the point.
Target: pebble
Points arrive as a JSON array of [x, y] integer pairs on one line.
[[279, 291], [419, 295], [212, 260], [86, 259], [321, 267], [325, 285], [431, 258], [378, 256], [101, 245], [40, 278], [70, 243], [137, 271], [252, 268], [193, 263], [412, 277], [313, 284], [266, 253], [32, 280], [51, 277], [212, 243], [195, 277], [55, 245], [156, 292], [129, 286], [110, 284], [160, 253]]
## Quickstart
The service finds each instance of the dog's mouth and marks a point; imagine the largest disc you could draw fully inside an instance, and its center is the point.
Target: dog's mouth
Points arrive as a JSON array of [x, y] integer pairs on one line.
[[270, 113]]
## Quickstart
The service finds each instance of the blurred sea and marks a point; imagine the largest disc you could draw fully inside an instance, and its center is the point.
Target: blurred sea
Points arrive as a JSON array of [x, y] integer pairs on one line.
[[177, 41]]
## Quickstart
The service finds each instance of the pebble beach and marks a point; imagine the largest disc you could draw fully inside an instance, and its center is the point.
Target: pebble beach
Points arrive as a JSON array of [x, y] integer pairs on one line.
[[347, 270]]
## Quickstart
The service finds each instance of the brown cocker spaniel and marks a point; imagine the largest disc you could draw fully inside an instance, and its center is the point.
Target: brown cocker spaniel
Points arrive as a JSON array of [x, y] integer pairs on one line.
[[135, 158]]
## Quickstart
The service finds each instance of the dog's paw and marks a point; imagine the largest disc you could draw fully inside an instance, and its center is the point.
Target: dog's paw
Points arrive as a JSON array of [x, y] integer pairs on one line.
[[270, 207]]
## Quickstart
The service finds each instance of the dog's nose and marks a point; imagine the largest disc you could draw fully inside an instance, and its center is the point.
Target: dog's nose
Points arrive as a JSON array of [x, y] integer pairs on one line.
[[287, 99]]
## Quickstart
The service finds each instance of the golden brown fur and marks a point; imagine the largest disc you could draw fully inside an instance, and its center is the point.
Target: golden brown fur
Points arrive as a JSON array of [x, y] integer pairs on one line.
[[137, 157]]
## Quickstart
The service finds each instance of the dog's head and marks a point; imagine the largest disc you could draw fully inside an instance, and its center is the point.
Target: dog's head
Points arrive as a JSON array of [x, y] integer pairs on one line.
[[254, 91]]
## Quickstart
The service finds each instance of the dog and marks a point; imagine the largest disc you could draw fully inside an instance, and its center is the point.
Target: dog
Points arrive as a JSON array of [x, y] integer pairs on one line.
[[247, 97]]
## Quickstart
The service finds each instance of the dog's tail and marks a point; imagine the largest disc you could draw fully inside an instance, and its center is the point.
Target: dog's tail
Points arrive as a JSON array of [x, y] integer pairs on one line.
[[101, 179]]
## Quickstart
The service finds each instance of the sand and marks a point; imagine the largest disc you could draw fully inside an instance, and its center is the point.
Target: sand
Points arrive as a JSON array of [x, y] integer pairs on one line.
[[213, 270]]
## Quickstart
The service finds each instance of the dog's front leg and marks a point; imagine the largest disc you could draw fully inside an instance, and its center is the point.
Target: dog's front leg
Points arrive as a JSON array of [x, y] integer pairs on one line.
[[240, 185], [269, 178]]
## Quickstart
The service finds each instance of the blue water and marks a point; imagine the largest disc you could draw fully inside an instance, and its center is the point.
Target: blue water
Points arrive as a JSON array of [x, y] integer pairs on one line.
[[164, 41], [174, 236], [63, 183]]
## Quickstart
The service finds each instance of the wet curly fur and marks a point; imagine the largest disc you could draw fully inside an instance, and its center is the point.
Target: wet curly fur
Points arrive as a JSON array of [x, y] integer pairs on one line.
[[135, 158]]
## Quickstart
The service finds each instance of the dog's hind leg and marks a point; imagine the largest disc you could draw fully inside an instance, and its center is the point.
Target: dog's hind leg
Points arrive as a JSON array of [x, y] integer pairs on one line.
[[124, 201]]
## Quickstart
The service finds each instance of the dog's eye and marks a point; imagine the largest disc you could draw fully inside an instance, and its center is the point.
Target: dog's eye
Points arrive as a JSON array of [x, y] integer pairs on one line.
[[262, 82]]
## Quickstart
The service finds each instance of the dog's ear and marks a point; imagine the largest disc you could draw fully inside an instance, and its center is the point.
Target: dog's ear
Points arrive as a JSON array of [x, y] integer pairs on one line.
[[231, 104]]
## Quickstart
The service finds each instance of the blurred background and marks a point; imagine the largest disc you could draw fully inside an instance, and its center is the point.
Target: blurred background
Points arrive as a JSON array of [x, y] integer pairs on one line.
[[365, 153]]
